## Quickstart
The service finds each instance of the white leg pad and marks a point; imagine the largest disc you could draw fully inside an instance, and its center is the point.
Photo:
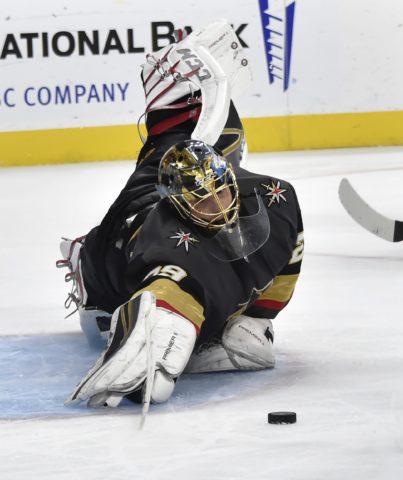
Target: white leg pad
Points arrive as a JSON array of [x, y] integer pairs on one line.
[[214, 358], [249, 341], [246, 345], [209, 358], [163, 387], [172, 340]]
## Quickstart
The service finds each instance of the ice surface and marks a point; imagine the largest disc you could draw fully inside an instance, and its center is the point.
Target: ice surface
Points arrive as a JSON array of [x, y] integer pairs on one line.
[[339, 344]]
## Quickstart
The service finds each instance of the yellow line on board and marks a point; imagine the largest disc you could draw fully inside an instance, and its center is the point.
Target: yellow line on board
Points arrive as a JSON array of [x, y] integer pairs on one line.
[[69, 145], [337, 130], [296, 132]]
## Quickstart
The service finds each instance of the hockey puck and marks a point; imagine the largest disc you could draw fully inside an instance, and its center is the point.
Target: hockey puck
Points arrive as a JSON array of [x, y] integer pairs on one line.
[[282, 417]]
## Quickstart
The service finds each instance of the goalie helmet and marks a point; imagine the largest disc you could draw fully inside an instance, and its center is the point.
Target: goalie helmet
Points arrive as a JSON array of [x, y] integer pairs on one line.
[[200, 183]]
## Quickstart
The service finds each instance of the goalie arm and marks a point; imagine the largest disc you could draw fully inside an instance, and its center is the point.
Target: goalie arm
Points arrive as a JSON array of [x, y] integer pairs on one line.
[[247, 340], [210, 61], [170, 296], [277, 295]]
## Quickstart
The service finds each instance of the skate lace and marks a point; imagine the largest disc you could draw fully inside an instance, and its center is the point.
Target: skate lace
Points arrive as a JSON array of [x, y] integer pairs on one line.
[[74, 296]]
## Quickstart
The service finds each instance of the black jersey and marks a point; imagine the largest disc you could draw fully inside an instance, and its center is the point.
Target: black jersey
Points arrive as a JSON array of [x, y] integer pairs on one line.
[[173, 258], [103, 257]]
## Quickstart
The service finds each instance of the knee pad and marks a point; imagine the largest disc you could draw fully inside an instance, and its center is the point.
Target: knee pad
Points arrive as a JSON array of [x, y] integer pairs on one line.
[[249, 343]]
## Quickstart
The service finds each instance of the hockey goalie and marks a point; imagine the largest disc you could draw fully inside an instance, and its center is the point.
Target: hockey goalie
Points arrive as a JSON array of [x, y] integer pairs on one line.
[[197, 255]]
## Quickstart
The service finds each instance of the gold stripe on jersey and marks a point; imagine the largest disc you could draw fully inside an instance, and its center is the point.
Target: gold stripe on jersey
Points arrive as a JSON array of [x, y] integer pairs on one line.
[[236, 143], [281, 289], [170, 296], [133, 237], [147, 154]]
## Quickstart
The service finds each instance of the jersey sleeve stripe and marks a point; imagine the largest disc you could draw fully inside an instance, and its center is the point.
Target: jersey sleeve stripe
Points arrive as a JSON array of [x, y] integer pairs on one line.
[[171, 297], [281, 289], [275, 297], [270, 304]]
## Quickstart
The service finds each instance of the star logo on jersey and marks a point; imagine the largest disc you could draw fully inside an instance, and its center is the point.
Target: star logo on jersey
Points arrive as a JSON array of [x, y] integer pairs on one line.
[[274, 192], [184, 239]]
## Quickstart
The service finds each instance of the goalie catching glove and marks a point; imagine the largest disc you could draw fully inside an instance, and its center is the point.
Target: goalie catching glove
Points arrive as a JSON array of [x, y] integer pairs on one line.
[[147, 345]]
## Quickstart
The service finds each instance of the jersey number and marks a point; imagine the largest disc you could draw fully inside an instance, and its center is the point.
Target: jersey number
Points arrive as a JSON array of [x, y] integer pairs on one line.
[[298, 251], [173, 272]]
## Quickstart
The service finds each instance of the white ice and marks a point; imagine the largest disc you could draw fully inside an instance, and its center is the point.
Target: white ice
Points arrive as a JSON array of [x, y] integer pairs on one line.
[[339, 344]]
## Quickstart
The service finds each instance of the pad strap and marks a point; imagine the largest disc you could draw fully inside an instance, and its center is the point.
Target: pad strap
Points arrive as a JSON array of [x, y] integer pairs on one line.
[[165, 125]]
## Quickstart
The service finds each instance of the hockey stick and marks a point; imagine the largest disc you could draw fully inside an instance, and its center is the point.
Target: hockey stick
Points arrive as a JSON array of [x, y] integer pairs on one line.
[[376, 223], [150, 370]]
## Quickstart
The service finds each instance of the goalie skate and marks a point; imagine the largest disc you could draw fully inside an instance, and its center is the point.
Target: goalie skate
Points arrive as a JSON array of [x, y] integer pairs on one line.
[[95, 323]]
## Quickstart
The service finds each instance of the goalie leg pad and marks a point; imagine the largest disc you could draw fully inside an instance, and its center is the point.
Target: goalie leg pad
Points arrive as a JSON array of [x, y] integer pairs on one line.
[[163, 387], [246, 344], [123, 366], [210, 357], [117, 356], [249, 342]]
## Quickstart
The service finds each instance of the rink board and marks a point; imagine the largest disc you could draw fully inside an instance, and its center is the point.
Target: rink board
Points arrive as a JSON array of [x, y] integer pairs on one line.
[[70, 89], [298, 132]]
